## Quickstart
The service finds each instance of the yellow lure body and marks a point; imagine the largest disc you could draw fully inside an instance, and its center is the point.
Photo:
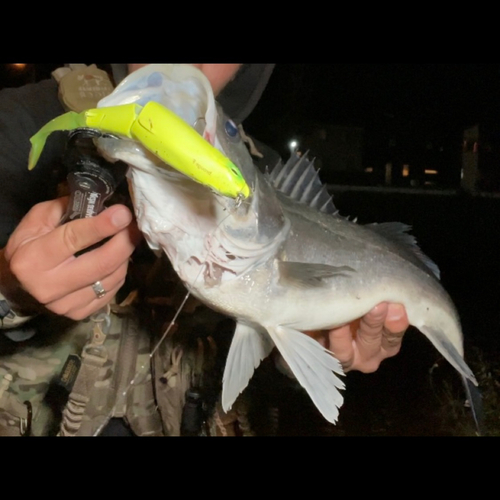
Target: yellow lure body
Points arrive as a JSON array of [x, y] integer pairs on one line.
[[160, 131]]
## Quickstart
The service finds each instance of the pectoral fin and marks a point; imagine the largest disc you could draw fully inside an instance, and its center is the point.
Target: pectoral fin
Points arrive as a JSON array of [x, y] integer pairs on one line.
[[301, 274], [314, 367], [248, 348]]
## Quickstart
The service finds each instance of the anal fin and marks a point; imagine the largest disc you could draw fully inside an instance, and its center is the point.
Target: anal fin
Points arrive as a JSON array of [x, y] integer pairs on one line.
[[314, 367]]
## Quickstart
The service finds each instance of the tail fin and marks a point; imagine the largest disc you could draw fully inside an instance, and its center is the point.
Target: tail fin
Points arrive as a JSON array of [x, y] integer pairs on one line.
[[443, 344], [476, 404], [450, 353]]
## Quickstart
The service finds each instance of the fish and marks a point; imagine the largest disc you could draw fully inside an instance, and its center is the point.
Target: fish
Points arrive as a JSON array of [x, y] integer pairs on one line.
[[277, 257]]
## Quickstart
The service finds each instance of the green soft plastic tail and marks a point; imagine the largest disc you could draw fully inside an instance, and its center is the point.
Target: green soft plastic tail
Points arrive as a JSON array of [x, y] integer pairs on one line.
[[160, 131], [68, 121]]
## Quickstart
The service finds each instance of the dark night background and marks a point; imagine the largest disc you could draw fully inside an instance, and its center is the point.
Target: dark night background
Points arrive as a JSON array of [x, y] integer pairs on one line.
[[410, 114]]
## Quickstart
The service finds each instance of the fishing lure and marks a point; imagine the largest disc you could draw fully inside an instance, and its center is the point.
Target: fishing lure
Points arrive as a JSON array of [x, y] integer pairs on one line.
[[160, 131]]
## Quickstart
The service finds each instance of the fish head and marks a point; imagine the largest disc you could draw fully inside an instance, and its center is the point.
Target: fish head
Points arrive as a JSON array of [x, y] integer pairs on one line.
[[177, 122], [254, 214], [259, 217]]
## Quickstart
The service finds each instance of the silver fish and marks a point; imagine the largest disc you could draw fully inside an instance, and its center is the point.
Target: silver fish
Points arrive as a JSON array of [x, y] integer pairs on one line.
[[281, 261]]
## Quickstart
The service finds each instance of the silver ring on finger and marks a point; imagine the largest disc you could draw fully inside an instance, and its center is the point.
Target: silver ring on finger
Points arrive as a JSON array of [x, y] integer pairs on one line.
[[98, 290]]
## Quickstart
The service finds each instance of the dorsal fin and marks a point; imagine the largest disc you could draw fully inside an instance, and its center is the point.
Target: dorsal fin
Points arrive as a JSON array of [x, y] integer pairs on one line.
[[398, 231], [299, 179]]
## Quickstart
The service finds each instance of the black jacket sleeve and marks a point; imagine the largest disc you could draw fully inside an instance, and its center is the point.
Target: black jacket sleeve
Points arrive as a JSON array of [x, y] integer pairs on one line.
[[23, 111]]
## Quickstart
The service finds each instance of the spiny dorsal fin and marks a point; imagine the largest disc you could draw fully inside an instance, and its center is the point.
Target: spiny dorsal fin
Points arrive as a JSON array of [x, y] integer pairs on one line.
[[299, 179], [397, 231]]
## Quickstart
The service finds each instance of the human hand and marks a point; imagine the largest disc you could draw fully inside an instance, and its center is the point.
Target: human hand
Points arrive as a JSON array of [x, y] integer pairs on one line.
[[38, 264], [363, 344], [219, 75]]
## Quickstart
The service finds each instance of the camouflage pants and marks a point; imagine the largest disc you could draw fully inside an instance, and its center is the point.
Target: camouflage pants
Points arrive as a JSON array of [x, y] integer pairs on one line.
[[72, 378], [61, 381]]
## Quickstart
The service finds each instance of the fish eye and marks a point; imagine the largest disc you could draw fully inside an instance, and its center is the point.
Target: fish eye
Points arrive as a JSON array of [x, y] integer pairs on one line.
[[231, 129]]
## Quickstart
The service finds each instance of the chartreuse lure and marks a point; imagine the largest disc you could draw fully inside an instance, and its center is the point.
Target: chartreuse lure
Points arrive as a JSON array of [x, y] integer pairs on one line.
[[160, 131]]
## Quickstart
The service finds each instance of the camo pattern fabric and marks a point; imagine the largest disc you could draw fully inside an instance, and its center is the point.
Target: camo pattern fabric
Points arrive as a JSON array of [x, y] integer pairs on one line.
[[114, 380], [33, 400], [189, 353], [67, 381], [28, 370]]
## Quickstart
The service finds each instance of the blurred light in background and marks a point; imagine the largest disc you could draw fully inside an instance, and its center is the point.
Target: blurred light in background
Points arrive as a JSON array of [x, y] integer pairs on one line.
[[17, 74]]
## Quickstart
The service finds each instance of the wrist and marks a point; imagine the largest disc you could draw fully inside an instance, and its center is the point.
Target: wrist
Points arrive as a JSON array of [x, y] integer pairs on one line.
[[11, 315]]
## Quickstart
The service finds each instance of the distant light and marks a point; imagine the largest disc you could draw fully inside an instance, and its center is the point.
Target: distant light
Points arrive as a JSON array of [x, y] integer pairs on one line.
[[369, 170], [430, 172], [293, 145], [406, 170], [19, 66]]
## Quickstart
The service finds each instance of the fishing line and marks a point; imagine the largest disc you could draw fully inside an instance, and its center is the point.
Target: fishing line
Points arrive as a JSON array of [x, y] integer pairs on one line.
[[144, 368], [181, 306], [238, 201]]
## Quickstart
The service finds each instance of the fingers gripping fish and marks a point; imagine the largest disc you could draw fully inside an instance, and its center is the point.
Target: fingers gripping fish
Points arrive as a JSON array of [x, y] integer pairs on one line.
[[268, 250]]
